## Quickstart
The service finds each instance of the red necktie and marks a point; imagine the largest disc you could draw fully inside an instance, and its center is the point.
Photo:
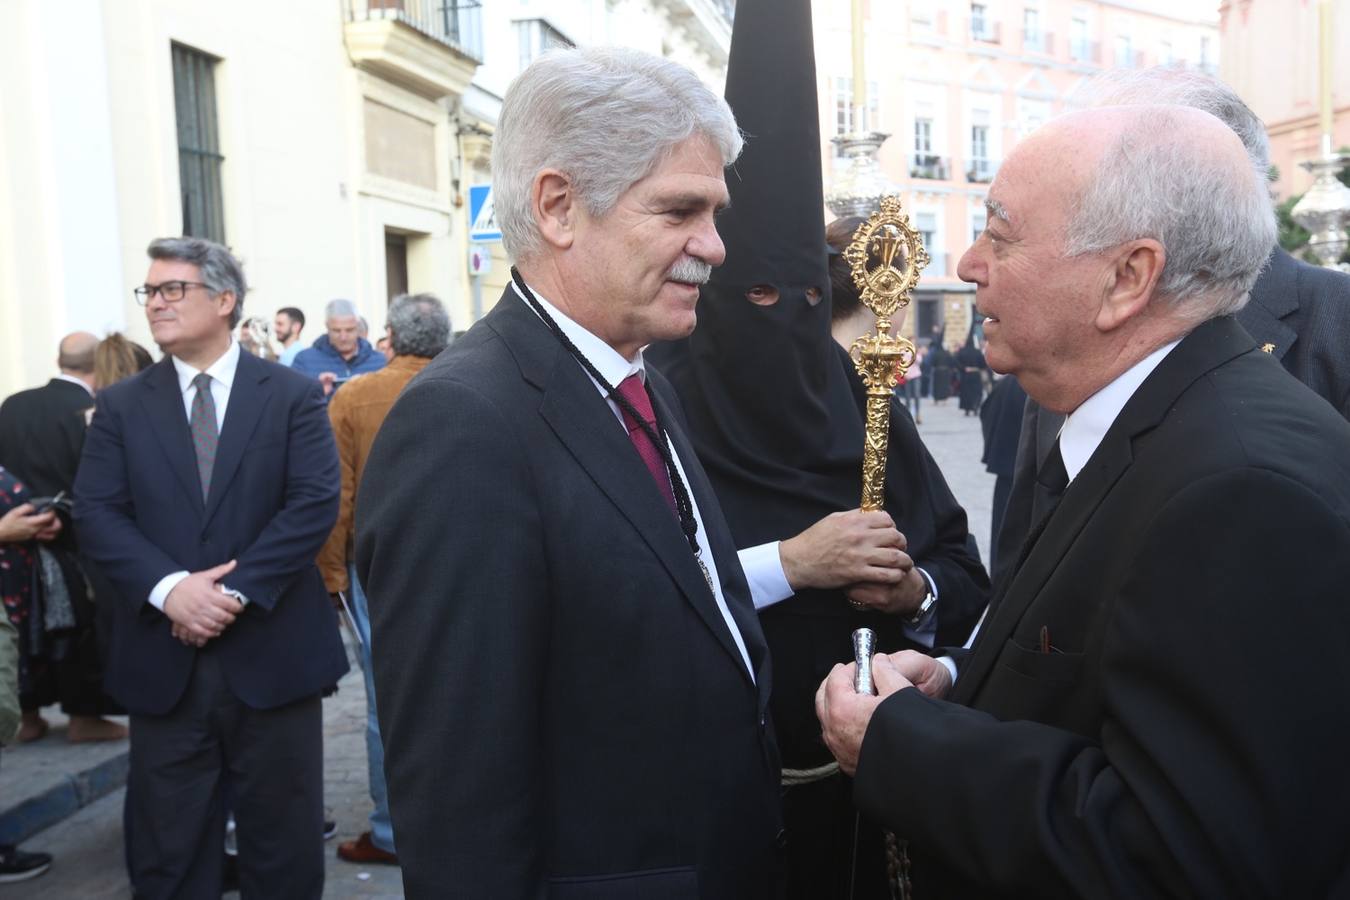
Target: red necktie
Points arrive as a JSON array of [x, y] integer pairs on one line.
[[631, 389]]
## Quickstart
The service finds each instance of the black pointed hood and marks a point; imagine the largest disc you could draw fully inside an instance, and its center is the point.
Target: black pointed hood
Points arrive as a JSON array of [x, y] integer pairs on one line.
[[766, 388]]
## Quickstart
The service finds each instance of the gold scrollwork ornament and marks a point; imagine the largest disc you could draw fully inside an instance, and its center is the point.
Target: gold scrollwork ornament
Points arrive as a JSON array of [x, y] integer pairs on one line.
[[886, 256]]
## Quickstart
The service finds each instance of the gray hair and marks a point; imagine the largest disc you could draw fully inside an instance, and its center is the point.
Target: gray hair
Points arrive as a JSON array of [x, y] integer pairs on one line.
[[220, 270], [1217, 226], [605, 117], [1171, 86], [339, 309], [418, 325]]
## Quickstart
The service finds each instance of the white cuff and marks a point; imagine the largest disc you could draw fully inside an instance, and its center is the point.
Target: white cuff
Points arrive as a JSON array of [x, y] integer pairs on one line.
[[926, 633], [161, 591], [764, 571], [950, 664]]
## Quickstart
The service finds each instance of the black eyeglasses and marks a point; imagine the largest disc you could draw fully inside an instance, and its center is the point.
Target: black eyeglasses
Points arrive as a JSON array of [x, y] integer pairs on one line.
[[171, 291]]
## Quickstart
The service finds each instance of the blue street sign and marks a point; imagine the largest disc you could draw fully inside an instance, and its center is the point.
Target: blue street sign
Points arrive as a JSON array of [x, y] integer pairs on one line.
[[482, 215]]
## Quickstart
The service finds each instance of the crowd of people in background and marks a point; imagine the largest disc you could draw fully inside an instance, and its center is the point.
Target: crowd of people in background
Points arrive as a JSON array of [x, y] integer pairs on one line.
[[57, 634]]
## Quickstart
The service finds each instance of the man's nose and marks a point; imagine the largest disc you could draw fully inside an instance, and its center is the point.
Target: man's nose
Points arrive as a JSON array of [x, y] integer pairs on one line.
[[706, 244], [971, 268]]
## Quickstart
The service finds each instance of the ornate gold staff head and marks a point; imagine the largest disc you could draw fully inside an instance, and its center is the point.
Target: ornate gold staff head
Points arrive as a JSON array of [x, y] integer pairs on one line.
[[886, 256]]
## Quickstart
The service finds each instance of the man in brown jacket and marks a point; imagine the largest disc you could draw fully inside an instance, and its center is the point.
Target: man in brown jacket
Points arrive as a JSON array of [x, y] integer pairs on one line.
[[419, 329]]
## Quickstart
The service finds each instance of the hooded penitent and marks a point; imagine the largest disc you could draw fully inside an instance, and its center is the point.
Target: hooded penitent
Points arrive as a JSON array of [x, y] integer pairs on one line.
[[775, 412], [773, 403]]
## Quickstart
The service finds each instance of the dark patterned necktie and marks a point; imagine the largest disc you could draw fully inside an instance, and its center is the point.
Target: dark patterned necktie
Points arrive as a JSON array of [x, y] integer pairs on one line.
[[204, 432], [632, 390]]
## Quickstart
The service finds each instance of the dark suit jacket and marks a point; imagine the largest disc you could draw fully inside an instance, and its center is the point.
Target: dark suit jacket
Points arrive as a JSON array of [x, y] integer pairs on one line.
[[41, 434], [273, 501], [1169, 743], [1302, 311], [564, 712]]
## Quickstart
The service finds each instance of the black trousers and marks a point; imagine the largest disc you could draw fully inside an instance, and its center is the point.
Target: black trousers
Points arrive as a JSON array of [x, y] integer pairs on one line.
[[175, 812], [832, 854]]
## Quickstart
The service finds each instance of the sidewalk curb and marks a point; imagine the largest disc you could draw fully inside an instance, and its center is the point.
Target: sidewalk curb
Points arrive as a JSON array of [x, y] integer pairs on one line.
[[73, 793]]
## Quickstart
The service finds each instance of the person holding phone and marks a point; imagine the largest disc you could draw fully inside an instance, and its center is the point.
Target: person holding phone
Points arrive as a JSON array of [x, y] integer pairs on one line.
[[340, 353]]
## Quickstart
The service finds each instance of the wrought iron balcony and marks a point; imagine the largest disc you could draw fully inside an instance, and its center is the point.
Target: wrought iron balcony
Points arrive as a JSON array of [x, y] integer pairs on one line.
[[430, 46], [926, 165], [455, 23], [981, 170]]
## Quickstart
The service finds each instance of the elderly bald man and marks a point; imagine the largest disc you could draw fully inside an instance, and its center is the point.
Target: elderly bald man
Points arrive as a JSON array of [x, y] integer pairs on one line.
[[1119, 727]]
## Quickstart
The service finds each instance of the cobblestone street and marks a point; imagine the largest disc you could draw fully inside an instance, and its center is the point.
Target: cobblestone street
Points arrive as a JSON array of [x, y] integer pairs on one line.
[[88, 845]]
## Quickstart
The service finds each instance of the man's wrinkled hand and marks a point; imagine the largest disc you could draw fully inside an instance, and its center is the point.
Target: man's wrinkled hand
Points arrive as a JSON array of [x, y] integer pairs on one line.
[[845, 548], [891, 672], [329, 381], [845, 714], [199, 609], [900, 599]]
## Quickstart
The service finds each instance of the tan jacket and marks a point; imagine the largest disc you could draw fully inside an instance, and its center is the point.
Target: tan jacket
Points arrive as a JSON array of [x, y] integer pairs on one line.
[[357, 411]]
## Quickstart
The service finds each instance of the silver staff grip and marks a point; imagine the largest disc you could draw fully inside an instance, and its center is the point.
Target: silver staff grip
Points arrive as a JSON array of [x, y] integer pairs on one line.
[[864, 641]]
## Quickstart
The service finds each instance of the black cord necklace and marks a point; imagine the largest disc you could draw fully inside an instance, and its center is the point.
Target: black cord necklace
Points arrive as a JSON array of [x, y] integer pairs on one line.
[[683, 506]]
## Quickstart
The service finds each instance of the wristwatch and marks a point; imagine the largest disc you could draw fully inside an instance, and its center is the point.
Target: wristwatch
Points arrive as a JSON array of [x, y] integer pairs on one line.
[[925, 609]]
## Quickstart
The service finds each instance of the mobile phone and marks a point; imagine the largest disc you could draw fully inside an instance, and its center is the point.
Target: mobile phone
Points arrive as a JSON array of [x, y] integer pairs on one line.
[[46, 504]]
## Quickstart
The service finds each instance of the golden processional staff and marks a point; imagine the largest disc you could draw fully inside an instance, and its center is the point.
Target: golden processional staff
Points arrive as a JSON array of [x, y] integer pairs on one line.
[[886, 255]]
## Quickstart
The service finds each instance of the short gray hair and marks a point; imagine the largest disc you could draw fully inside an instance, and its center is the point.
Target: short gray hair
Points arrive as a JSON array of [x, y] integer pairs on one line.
[[1172, 86], [605, 117], [418, 325], [339, 309], [1218, 227], [221, 271]]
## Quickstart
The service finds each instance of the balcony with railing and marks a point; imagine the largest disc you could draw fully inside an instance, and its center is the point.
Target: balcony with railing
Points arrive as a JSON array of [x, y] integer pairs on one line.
[[706, 22], [1042, 42], [432, 47], [927, 165], [981, 170], [986, 31]]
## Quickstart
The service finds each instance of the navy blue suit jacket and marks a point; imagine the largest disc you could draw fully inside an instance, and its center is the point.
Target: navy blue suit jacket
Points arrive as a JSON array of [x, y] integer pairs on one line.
[[140, 515]]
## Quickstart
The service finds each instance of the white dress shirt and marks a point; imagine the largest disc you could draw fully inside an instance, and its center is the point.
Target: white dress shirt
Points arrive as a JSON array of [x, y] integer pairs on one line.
[[1084, 430], [614, 369], [222, 379]]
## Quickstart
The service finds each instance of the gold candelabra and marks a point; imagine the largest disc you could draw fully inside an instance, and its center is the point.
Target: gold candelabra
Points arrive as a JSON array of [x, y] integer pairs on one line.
[[886, 256]]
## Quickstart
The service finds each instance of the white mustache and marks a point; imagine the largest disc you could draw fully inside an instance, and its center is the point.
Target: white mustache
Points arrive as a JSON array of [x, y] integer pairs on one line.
[[690, 270]]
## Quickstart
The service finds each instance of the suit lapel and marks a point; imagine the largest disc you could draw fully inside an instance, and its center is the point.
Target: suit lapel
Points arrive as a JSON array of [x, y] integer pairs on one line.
[[1274, 299], [163, 403], [1209, 345], [248, 396], [734, 590], [588, 428]]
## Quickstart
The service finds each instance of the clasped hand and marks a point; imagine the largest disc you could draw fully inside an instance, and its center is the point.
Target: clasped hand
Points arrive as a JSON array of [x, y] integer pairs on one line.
[[199, 608], [861, 552]]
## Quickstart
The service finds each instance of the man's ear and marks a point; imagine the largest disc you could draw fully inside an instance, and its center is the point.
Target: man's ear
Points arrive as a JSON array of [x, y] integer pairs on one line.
[[553, 203], [228, 303], [1131, 284]]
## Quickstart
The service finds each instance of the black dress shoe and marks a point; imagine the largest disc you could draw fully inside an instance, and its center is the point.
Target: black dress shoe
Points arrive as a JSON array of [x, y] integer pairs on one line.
[[329, 829], [19, 865]]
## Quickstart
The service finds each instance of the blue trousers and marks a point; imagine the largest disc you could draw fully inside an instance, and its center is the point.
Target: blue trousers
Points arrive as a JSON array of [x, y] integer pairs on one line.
[[381, 827]]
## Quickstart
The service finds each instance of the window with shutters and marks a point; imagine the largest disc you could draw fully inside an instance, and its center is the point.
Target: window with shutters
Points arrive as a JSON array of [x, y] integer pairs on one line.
[[199, 156]]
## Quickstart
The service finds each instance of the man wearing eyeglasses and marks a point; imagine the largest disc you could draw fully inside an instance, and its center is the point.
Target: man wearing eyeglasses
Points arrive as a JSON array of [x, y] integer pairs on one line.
[[207, 485]]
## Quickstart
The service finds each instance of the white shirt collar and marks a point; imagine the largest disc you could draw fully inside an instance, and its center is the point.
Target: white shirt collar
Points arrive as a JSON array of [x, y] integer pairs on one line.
[[62, 376], [221, 370], [1086, 426], [607, 361]]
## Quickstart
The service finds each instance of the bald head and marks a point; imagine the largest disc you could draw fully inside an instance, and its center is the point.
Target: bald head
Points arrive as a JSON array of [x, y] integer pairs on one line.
[[75, 355], [1172, 174]]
